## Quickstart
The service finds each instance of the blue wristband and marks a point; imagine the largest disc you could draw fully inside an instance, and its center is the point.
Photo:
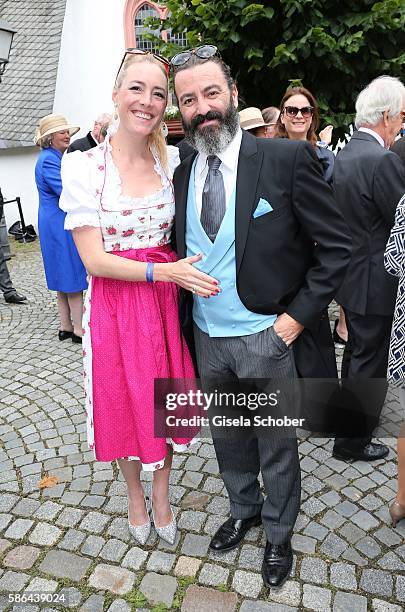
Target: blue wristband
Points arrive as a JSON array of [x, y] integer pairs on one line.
[[149, 272]]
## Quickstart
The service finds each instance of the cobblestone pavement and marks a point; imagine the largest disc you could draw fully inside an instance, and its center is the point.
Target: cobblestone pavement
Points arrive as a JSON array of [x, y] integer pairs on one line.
[[72, 539]]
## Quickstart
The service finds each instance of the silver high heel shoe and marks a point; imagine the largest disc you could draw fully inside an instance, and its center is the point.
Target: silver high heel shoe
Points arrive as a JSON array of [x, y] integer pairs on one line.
[[140, 532], [168, 532]]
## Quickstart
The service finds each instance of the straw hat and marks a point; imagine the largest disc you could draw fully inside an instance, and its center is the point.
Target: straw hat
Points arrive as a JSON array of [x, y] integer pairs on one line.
[[251, 118], [52, 124]]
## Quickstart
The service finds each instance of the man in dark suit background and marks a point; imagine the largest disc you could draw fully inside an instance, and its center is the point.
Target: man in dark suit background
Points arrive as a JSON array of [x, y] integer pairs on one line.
[[399, 148], [92, 138], [266, 223], [368, 181], [184, 149], [6, 286]]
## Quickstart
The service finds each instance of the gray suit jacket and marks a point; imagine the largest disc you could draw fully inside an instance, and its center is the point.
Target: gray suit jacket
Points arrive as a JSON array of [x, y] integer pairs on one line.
[[368, 183]]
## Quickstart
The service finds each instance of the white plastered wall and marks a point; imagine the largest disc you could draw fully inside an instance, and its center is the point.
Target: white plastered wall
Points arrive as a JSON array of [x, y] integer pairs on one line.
[[17, 179], [91, 49]]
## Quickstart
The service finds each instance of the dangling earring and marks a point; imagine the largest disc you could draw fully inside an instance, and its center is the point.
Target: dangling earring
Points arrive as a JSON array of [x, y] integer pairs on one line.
[[164, 128], [113, 127]]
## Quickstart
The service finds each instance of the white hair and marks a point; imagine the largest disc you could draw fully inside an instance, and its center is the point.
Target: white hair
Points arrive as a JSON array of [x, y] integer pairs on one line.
[[383, 94], [103, 118]]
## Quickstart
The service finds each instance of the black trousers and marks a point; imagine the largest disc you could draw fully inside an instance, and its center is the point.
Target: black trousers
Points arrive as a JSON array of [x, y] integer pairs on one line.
[[364, 384]]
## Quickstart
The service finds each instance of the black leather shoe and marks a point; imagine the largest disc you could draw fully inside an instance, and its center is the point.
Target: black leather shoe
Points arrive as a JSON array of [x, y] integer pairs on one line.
[[26, 238], [64, 335], [370, 452], [336, 338], [76, 339], [232, 532], [277, 563], [14, 298]]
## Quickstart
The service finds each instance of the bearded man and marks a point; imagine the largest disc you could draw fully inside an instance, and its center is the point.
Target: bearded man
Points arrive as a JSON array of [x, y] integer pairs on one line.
[[262, 215]]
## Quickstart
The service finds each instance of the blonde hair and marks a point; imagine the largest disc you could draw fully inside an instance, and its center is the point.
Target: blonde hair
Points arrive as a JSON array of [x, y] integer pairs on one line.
[[156, 140]]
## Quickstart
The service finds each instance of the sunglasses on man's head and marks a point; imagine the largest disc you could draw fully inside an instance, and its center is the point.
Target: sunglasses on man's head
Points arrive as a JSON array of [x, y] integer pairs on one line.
[[203, 52], [133, 51], [292, 111]]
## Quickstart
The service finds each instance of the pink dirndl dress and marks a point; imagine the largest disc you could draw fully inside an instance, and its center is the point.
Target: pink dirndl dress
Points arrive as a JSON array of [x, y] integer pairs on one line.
[[131, 329]]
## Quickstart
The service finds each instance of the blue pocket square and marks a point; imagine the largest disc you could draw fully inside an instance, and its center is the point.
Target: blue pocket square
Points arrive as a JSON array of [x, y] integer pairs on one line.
[[262, 208]]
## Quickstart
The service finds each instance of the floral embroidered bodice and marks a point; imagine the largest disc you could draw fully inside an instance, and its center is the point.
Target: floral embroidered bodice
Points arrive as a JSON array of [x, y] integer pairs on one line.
[[125, 222]]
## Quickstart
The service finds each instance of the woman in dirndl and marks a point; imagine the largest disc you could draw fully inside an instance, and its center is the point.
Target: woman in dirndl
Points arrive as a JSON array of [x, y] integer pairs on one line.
[[120, 207]]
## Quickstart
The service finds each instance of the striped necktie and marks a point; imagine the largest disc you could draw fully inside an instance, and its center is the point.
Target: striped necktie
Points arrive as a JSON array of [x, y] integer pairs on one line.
[[213, 199]]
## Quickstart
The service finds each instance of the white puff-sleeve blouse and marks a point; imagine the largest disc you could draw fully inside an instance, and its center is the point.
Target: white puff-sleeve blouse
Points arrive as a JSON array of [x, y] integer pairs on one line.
[[92, 196]]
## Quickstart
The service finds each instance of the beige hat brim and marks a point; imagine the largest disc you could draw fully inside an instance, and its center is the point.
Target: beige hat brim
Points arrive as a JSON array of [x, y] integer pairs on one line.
[[250, 124], [73, 129]]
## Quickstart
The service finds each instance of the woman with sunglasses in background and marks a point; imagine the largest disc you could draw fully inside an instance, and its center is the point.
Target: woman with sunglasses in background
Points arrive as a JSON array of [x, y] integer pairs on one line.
[[120, 205], [299, 120]]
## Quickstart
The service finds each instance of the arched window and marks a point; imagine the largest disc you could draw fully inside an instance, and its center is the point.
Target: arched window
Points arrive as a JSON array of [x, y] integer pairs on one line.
[[135, 14], [145, 12]]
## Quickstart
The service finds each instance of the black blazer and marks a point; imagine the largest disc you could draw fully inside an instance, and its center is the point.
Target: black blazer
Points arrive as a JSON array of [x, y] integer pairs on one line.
[[327, 160], [184, 149], [368, 183], [399, 148], [294, 258], [83, 144]]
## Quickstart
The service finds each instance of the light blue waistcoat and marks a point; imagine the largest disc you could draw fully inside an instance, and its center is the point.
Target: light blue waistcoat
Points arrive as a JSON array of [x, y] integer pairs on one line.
[[222, 315]]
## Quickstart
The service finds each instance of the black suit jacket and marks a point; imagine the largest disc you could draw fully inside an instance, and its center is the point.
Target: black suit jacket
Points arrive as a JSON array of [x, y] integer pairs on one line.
[[83, 144], [184, 149], [292, 259], [368, 184], [399, 148]]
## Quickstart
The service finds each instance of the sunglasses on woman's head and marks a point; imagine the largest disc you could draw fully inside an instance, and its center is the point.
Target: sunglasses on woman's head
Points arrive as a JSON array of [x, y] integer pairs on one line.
[[203, 52], [292, 111], [133, 51]]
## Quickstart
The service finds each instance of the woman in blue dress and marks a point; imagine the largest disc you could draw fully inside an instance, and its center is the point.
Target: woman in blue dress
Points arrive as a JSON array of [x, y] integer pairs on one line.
[[64, 270]]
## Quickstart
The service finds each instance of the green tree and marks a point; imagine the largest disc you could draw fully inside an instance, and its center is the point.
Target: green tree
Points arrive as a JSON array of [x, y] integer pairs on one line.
[[333, 47]]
